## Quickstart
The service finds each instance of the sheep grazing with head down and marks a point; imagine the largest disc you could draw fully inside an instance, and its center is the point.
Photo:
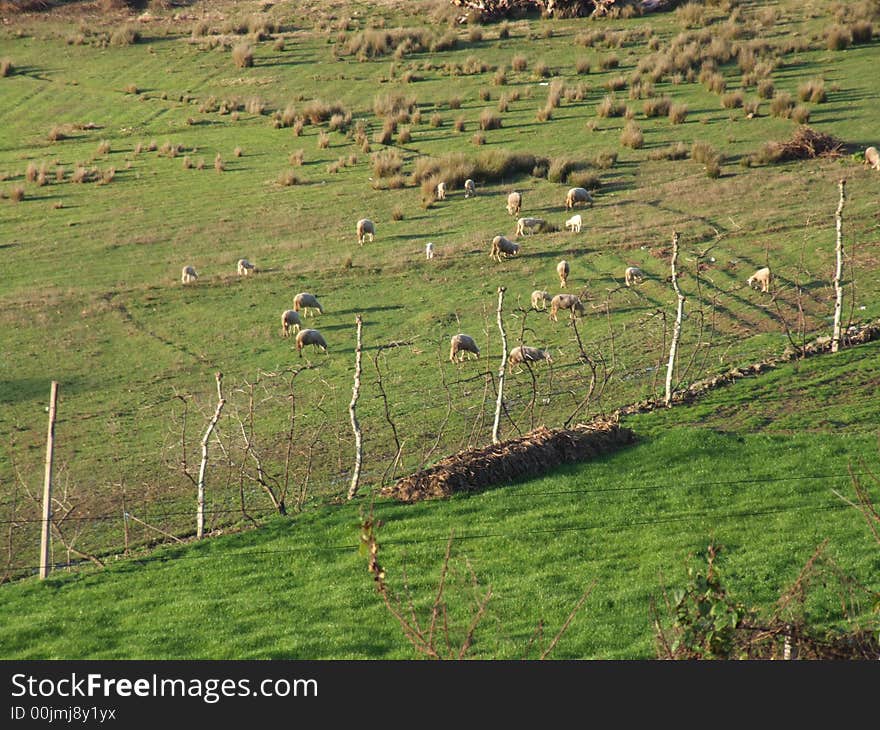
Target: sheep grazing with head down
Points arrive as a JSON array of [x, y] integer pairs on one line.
[[525, 353], [563, 269], [310, 337], [460, 344], [307, 302], [540, 299], [514, 203], [872, 158], [633, 275], [762, 277], [365, 227], [574, 223], [290, 320], [188, 275], [570, 302], [441, 190], [469, 188], [578, 195], [532, 225], [244, 267], [503, 247]]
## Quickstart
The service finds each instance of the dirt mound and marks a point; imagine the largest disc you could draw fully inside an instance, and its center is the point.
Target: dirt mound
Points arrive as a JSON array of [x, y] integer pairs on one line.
[[527, 456]]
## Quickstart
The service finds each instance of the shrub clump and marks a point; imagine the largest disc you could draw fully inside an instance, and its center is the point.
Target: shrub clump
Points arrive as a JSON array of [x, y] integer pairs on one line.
[[610, 106], [632, 136], [489, 119], [243, 55], [813, 91], [782, 105]]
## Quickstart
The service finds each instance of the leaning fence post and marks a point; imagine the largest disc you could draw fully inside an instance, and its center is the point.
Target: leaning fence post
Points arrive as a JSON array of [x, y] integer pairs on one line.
[[499, 401], [352, 411], [200, 497], [45, 539], [838, 272], [676, 329]]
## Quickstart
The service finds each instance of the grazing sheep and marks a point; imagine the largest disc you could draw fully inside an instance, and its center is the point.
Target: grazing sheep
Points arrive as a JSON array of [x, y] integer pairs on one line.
[[578, 195], [574, 223], [762, 277], [290, 319], [633, 275], [306, 302], [540, 297], [441, 191], [533, 225], [469, 188], [526, 354], [245, 267], [872, 158], [514, 203], [365, 227], [502, 246], [310, 337], [188, 275], [429, 250], [566, 301], [563, 270], [460, 344]]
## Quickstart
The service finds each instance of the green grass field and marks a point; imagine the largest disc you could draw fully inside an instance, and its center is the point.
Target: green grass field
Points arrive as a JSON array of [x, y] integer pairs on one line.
[[298, 588], [91, 297]]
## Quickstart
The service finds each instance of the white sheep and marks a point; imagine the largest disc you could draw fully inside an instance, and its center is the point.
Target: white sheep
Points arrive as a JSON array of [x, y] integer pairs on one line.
[[244, 267], [526, 354], [872, 158], [578, 195], [290, 320], [469, 188], [365, 227], [502, 246], [188, 275], [310, 337], [762, 277], [441, 191], [429, 250], [563, 269], [566, 301], [633, 275], [540, 298], [307, 302], [460, 344], [528, 224], [574, 223], [514, 203]]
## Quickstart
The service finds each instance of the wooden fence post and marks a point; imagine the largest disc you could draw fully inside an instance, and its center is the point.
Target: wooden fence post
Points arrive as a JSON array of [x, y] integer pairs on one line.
[[47, 485], [499, 401], [676, 329], [838, 272], [200, 510], [355, 426]]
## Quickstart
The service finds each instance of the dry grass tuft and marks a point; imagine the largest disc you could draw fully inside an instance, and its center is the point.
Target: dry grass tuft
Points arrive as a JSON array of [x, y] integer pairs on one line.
[[632, 136], [610, 106], [489, 119], [243, 56], [813, 91]]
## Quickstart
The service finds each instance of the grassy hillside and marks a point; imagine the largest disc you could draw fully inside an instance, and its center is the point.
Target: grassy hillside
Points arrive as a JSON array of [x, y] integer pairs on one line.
[[759, 485], [185, 158]]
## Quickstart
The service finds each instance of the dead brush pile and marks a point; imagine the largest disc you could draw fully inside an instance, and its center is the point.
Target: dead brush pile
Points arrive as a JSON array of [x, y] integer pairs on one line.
[[531, 455], [806, 144]]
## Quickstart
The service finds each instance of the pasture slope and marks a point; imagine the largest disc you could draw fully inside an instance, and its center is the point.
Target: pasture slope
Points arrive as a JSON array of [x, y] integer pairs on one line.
[[132, 145], [751, 466]]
